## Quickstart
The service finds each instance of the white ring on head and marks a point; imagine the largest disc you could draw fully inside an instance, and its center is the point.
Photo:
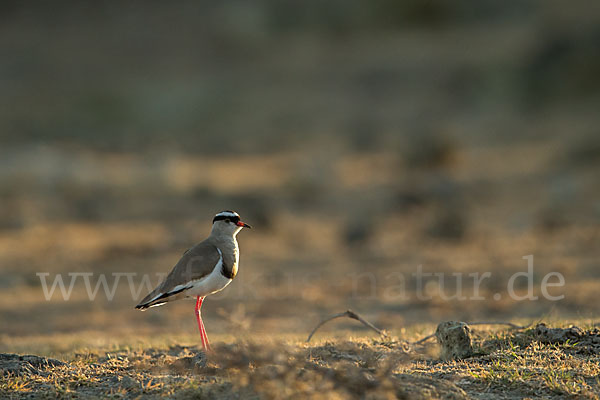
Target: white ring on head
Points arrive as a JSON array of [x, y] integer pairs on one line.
[[227, 214]]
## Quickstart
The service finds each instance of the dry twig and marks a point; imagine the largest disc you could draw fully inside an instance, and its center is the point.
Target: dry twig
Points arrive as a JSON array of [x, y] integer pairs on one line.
[[353, 315], [349, 314], [426, 338]]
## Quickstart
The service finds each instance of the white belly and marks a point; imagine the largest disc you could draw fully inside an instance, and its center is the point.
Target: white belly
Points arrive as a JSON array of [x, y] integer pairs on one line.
[[212, 283]]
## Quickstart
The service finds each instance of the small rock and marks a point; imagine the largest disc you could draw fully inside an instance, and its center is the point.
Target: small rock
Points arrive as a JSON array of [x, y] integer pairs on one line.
[[558, 335], [455, 340]]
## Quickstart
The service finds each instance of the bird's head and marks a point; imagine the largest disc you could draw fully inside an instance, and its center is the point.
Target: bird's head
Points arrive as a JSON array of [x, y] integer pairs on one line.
[[228, 222]]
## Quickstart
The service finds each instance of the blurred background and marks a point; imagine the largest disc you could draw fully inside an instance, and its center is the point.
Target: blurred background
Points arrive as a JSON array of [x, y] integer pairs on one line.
[[360, 139]]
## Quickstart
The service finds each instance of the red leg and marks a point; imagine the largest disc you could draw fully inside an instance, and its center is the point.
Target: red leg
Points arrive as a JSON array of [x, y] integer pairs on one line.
[[199, 320], [206, 343], [203, 335]]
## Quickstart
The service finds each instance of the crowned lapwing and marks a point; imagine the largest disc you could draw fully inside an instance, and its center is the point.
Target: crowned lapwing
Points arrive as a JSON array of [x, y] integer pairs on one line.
[[204, 269]]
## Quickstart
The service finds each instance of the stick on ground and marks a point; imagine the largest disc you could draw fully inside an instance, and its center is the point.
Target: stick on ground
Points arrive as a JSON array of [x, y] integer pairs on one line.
[[349, 314]]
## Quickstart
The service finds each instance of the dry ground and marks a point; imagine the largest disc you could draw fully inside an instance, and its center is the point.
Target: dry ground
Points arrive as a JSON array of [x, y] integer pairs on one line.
[[507, 365]]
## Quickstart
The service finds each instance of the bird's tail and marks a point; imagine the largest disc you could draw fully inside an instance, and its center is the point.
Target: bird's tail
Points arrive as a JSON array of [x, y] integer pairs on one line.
[[153, 299], [145, 306], [158, 297]]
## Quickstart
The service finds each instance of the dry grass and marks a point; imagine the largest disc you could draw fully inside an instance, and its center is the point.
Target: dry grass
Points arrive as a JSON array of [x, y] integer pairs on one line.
[[508, 364]]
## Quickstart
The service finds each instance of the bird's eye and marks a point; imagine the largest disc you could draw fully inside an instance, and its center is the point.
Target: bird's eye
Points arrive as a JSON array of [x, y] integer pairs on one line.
[[227, 220]]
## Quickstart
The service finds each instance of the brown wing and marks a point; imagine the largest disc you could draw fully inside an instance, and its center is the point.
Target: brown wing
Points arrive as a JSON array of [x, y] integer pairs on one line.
[[196, 263]]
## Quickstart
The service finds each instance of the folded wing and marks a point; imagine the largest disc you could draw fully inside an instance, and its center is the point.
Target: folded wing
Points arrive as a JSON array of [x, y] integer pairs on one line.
[[195, 264]]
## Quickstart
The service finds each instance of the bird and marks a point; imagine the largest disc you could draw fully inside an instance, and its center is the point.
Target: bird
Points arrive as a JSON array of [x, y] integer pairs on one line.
[[204, 269]]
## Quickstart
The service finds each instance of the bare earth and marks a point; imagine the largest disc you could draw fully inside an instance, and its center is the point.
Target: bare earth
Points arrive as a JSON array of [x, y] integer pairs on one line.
[[523, 363]]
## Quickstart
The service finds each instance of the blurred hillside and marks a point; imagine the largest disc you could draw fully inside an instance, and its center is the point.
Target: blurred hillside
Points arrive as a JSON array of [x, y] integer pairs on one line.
[[355, 136], [282, 75]]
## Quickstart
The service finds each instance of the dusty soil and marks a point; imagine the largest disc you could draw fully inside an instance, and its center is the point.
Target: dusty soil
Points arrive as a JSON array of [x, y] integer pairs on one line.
[[524, 363]]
